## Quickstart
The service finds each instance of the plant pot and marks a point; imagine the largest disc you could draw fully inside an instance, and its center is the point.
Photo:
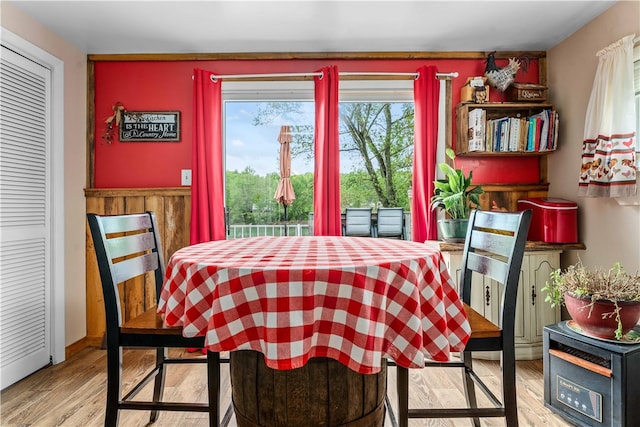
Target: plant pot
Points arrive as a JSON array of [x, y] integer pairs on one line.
[[453, 230], [601, 321]]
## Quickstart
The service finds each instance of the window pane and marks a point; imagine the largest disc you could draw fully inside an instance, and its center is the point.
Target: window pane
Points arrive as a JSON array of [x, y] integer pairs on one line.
[[376, 154], [252, 165], [636, 81]]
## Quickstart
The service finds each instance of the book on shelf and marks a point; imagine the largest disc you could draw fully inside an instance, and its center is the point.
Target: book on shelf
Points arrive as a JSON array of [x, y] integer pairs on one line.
[[490, 135], [556, 121], [538, 135], [477, 129], [497, 128], [514, 133], [524, 134], [531, 132], [504, 134]]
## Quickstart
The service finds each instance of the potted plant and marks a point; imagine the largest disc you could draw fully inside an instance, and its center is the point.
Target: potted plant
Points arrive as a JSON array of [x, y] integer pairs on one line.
[[457, 196], [603, 303]]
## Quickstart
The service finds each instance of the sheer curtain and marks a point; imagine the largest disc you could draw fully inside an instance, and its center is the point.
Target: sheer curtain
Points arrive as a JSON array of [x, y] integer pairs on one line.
[[426, 90], [608, 149], [326, 196], [207, 187]]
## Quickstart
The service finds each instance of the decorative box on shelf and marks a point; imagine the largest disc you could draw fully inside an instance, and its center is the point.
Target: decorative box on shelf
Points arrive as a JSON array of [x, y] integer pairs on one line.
[[526, 92], [475, 90]]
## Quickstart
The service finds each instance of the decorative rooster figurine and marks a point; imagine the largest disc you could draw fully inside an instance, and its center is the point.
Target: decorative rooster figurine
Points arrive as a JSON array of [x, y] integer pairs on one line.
[[501, 78]]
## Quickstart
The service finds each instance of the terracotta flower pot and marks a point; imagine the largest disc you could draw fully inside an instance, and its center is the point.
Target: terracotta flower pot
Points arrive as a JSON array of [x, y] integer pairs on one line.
[[601, 320]]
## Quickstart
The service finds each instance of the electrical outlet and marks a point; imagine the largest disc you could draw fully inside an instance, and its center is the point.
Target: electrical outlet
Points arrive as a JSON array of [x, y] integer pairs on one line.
[[185, 177]]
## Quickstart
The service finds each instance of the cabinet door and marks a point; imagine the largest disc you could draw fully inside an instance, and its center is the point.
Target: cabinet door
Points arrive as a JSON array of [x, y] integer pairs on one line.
[[521, 321], [485, 293], [489, 294], [540, 266]]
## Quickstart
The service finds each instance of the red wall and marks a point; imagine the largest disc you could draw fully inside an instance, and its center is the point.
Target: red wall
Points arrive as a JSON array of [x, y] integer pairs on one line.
[[167, 86]]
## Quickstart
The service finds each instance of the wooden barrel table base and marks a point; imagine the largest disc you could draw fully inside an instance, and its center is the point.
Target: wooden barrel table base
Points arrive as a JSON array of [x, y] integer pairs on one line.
[[324, 392]]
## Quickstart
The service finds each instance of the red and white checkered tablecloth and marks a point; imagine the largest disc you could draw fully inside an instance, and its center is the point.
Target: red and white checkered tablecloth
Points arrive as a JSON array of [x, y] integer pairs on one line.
[[353, 299]]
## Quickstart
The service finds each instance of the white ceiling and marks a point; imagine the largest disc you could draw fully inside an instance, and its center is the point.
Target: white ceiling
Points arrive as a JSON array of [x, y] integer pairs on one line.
[[111, 27]]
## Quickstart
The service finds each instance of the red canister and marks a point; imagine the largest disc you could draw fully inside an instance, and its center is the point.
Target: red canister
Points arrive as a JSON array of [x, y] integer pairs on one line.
[[552, 220]]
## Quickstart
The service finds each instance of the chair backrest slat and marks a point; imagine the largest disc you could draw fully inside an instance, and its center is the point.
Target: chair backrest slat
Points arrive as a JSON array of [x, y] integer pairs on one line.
[[126, 223], [131, 244], [498, 244], [489, 219], [491, 267], [134, 267]]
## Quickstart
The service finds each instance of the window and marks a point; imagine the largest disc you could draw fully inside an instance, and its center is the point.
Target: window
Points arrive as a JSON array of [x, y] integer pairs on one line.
[[376, 143], [636, 81], [253, 115], [635, 200], [377, 174]]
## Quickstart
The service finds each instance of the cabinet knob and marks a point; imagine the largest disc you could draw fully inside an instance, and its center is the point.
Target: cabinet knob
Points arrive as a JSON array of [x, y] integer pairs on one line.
[[487, 296]]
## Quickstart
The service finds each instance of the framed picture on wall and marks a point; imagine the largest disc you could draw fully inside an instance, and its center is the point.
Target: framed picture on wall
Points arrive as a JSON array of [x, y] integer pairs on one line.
[[150, 126]]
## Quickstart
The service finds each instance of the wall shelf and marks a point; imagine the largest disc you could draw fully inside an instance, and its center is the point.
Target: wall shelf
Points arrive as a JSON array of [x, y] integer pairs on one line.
[[492, 112]]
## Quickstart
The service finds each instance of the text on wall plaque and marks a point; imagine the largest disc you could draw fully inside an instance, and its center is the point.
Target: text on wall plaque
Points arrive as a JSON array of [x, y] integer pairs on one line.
[[155, 126]]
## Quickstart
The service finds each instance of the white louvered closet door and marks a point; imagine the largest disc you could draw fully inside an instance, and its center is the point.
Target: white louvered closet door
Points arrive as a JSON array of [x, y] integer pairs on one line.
[[25, 231]]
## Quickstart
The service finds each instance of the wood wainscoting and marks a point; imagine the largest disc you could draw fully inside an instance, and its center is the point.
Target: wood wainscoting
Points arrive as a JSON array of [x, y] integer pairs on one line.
[[507, 195], [172, 207]]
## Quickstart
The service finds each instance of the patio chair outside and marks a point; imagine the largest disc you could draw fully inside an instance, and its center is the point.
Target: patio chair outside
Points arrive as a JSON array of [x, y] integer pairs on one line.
[[358, 222], [390, 223]]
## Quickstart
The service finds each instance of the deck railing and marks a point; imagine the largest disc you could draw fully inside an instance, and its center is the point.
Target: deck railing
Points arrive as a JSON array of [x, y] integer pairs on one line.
[[238, 231]]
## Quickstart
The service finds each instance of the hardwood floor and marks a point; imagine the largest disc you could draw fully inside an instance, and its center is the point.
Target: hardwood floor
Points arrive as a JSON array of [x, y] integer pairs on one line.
[[73, 393]]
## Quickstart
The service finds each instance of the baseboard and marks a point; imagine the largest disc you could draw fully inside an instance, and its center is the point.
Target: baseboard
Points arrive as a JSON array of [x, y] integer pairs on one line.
[[81, 344]]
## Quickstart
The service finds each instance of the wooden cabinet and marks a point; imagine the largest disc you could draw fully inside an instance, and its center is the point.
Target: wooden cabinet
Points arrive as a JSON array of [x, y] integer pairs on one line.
[[504, 129], [532, 312]]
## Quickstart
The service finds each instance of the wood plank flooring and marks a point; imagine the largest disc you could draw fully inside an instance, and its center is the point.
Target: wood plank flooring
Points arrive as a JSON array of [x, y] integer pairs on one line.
[[73, 393]]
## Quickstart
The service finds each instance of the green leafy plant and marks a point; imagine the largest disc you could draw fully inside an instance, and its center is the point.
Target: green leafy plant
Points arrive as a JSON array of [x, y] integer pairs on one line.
[[456, 194], [614, 285]]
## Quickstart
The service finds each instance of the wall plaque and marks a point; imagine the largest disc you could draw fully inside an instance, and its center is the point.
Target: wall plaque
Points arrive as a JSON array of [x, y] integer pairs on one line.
[[155, 126]]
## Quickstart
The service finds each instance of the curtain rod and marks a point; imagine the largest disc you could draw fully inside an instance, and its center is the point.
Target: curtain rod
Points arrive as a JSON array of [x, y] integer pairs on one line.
[[414, 75], [255, 76]]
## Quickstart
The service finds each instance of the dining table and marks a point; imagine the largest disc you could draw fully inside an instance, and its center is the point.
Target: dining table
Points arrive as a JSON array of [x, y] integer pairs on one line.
[[353, 299]]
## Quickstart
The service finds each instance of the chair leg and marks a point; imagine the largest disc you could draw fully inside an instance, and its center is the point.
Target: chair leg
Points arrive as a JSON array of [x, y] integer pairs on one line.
[[213, 383], [402, 385], [158, 387], [469, 385], [114, 382], [509, 387]]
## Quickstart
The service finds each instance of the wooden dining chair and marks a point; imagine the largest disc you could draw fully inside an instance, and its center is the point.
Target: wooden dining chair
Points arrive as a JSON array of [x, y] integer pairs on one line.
[[494, 247], [358, 222], [390, 223], [128, 248]]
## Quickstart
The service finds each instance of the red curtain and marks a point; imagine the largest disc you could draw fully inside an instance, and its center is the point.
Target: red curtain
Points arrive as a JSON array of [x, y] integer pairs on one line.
[[326, 197], [207, 186], [426, 90]]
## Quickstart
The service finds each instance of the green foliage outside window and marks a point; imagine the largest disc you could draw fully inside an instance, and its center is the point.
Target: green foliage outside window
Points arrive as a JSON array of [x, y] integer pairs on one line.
[[376, 138]]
